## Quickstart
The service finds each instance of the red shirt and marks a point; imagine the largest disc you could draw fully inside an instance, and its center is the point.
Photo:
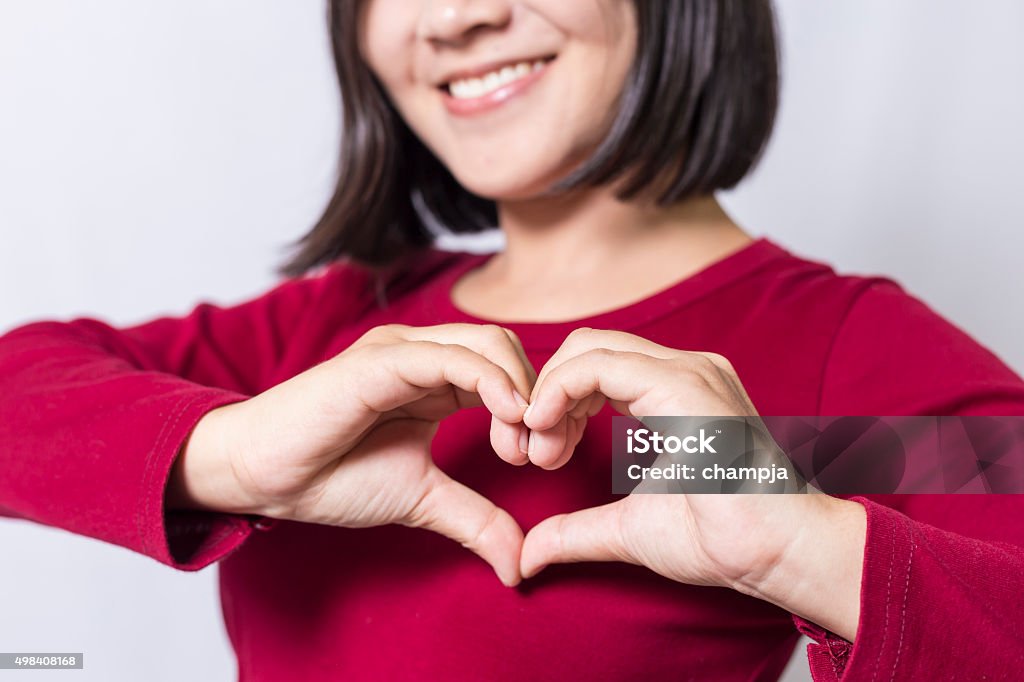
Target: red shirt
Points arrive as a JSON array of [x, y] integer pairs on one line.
[[91, 419]]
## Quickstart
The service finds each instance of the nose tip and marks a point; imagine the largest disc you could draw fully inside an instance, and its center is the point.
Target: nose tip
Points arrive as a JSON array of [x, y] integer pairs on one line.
[[455, 21]]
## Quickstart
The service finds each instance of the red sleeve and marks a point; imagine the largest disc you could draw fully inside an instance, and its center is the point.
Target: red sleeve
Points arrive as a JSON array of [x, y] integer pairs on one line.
[[92, 416], [942, 594]]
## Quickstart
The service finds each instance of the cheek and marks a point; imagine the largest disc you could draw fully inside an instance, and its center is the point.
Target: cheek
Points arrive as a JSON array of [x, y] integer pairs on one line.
[[392, 51], [601, 66], [601, 39], [387, 31], [599, 23]]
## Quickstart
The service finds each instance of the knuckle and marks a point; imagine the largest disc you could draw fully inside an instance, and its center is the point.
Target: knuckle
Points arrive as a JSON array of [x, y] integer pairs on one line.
[[402, 354], [479, 535], [513, 337], [445, 330], [560, 535], [580, 333], [706, 364], [390, 329], [599, 354], [379, 334], [722, 362], [427, 344], [690, 375], [360, 353], [700, 362], [432, 347], [492, 377], [425, 506], [714, 358], [493, 337], [374, 349]]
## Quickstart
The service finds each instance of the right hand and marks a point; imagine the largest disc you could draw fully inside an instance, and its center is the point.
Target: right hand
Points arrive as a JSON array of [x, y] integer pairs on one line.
[[347, 443]]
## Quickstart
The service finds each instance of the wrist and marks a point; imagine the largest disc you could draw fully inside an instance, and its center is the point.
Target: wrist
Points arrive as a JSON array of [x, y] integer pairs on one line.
[[816, 572], [203, 476]]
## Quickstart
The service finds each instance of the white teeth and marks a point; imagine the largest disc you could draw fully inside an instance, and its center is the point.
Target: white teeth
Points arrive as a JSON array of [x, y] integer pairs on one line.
[[470, 88]]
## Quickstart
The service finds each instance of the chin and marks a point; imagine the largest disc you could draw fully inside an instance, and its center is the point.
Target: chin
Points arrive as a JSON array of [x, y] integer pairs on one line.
[[509, 185]]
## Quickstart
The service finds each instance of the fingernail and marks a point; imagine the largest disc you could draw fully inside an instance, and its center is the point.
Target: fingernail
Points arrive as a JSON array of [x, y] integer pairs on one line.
[[527, 413], [524, 439], [504, 581], [529, 445], [520, 400]]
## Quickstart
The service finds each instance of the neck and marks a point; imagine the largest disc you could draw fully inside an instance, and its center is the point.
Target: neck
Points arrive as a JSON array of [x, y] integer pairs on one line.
[[570, 256], [593, 231]]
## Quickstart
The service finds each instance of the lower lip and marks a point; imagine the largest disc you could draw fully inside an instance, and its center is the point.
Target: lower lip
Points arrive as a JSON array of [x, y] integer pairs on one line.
[[494, 99]]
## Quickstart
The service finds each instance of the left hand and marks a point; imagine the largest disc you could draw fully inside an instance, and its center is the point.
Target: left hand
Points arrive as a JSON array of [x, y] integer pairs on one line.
[[758, 544]]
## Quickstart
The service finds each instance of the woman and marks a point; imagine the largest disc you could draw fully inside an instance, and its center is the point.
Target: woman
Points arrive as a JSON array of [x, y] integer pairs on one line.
[[304, 439]]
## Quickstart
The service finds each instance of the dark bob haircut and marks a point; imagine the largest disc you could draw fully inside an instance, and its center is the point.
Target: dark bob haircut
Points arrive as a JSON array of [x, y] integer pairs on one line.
[[694, 117]]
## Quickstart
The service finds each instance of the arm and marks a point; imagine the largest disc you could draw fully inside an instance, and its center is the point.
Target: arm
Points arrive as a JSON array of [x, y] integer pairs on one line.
[[942, 593], [93, 417]]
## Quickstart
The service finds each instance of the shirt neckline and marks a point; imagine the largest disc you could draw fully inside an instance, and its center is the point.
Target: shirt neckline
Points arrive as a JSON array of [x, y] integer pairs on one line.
[[439, 306]]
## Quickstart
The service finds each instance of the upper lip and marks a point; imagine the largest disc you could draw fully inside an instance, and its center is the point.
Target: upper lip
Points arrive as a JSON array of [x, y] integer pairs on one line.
[[482, 69]]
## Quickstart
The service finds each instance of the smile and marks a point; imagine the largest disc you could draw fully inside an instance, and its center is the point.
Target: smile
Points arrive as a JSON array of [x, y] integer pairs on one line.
[[474, 94], [471, 88]]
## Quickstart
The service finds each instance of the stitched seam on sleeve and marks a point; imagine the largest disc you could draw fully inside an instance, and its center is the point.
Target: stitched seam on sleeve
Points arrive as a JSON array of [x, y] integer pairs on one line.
[[903, 609], [141, 504], [145, 503], [888, 598], [157, 492]]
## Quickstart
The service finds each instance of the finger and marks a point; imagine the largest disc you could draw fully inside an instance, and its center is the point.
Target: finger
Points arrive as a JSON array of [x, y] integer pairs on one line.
[[574, 432], [587, 535], [510, 441], [585, 339], [589, 406], [394, 375], [439, 403], [622, 377], [499, 345], [469, 518], [546, 447], [531, 373]]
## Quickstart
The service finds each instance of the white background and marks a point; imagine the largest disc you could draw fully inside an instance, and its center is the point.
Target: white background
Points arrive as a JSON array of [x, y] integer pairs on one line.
[[154, 154]]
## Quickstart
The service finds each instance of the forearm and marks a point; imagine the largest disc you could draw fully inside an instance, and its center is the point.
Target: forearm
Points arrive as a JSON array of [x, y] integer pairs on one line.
[[89, 440]]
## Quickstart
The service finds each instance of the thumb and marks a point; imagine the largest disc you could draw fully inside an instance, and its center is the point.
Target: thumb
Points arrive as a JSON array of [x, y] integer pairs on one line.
[[588, 535], [469, 518]]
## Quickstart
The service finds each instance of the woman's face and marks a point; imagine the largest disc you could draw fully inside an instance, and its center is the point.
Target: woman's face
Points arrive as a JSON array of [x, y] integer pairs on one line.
[[509, 94]]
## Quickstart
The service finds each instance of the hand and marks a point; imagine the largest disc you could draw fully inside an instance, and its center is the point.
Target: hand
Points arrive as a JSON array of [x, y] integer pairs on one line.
[[802, 552], [347, 443]]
